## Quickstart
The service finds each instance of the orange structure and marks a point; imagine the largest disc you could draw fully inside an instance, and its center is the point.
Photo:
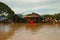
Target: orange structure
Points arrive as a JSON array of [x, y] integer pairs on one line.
[[31, 21]]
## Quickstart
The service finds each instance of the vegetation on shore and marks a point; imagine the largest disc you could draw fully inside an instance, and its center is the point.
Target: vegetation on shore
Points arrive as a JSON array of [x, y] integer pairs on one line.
[[8, 13]]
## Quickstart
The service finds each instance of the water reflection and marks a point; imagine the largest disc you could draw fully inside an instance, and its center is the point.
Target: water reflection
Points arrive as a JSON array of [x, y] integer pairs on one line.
[[21, 31], [7, 30], [33, 27]]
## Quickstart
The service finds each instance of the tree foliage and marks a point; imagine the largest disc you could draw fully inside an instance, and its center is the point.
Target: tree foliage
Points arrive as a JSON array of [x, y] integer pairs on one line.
[[56, 16], [5, 8]]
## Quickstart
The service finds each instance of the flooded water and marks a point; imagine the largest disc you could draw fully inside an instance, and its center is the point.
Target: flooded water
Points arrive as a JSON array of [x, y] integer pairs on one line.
[[21, 31]]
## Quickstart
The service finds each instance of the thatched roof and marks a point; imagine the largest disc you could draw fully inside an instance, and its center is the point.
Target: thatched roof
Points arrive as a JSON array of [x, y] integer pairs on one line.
[[32, 15]]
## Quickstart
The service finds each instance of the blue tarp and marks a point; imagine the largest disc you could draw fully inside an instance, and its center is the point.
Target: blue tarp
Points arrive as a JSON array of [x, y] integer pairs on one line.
[[1, 17], [41, 17]]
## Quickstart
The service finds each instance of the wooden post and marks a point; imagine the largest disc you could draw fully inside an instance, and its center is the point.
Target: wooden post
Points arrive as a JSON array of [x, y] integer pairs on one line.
[[38, 20]]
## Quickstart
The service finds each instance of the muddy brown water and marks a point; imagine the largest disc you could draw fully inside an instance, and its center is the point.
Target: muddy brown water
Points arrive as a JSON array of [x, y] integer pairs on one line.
[[26, 31]]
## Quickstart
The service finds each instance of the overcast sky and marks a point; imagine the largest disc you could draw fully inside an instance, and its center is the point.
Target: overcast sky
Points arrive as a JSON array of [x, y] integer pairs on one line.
[[39, 6]]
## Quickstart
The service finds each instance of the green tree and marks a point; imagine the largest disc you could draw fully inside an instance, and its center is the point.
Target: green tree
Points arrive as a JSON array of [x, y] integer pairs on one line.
[[5, 9]]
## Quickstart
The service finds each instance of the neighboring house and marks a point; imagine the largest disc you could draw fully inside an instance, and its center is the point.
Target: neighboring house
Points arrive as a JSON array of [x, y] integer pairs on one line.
[[2, 19], [18, 18], [20, 15]]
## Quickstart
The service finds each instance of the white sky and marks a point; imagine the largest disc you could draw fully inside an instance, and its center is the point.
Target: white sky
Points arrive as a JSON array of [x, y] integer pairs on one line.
[[39, 6]]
